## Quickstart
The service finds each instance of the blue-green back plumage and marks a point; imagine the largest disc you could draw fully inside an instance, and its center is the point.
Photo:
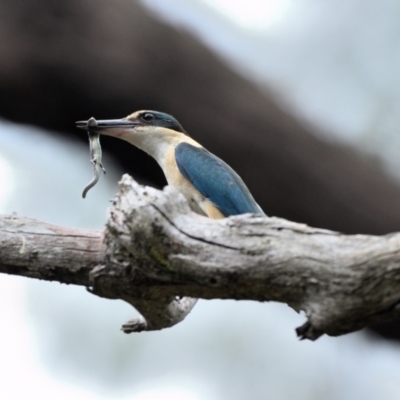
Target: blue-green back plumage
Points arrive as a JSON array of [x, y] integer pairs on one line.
[[215, 180]]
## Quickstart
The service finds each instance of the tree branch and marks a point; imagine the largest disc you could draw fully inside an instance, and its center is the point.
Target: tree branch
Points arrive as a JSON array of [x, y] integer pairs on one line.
[[156, 251], [38, 250]]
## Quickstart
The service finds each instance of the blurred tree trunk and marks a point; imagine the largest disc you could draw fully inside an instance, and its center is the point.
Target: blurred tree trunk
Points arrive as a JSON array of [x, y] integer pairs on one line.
[[67, 60]]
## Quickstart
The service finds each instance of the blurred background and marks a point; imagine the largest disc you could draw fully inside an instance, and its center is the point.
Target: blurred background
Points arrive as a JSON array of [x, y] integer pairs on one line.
[[300, 97]]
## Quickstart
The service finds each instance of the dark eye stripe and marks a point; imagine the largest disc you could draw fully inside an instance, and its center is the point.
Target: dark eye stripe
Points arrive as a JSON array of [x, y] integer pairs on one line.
[[155, 118]]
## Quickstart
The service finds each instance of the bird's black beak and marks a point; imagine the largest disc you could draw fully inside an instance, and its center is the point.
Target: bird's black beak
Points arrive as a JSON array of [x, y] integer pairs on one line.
[[105, 124]]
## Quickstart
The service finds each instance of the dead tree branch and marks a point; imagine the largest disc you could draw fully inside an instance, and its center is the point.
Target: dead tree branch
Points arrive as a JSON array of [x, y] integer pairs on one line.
[[159, 256]]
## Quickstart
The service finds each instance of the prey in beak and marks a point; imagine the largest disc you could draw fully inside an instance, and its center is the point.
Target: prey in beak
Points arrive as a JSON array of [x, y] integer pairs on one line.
[[91, 126]]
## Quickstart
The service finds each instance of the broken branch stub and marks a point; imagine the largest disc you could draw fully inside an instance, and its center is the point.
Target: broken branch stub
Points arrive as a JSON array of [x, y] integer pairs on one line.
[[132, 252]]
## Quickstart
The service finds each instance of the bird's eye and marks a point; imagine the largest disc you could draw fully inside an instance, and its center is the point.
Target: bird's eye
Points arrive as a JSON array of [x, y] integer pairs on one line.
[[148, 117]]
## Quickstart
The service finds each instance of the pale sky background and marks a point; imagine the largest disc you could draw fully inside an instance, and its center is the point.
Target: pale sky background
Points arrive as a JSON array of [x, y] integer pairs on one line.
[[336, 64]]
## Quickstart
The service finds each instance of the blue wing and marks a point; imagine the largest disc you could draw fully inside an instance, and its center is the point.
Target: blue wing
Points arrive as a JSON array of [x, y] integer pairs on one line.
[[215, 180]]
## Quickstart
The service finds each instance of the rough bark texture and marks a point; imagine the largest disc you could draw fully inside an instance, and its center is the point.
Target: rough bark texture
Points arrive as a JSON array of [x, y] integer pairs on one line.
[[159, 256], [43, 251]]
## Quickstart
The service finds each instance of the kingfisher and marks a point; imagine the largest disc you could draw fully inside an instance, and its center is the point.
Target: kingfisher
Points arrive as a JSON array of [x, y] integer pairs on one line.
[[211, 187]]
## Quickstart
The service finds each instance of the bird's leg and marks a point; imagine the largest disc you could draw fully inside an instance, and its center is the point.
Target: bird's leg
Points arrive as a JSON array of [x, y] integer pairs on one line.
[[95, 155]]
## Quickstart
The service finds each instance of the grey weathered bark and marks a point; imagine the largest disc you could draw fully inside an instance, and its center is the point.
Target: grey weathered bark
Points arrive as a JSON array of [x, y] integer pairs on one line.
[[159, 256]]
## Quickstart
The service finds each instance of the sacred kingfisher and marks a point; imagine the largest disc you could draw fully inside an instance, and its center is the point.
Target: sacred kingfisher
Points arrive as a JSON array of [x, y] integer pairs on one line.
[[211, 187]]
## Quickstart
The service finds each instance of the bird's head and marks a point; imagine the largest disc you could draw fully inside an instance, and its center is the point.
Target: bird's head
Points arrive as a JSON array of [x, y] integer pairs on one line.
[[149, 130], [140, 122]]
